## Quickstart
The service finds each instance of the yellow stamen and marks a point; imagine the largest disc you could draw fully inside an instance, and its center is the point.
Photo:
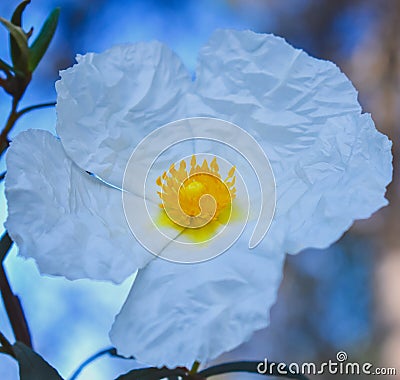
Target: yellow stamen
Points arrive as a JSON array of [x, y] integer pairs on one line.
[[196, 197]]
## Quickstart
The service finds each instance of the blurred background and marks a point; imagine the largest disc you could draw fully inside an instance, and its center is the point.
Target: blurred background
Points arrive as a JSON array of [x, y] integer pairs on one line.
[[344, 298]]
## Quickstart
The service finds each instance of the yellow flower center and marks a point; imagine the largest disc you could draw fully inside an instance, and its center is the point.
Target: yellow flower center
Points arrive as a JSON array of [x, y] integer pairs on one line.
[[195, 198]]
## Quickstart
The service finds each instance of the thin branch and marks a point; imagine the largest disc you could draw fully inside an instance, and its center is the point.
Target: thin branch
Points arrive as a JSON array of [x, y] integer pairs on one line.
[[5, 245], [6, 346], [251, 367], [35, 107], [107, 351], [4, 351], [151, 373], [12, 119], [11, 302], [154, 373]]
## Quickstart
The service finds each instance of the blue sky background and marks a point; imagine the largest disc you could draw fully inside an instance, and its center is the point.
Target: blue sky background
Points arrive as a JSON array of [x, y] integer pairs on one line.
[[70, 320]]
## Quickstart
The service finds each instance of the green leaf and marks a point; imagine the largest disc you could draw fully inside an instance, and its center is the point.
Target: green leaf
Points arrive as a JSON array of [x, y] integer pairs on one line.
[[42, 41], [19, 54], [32, 366], [16, 18]]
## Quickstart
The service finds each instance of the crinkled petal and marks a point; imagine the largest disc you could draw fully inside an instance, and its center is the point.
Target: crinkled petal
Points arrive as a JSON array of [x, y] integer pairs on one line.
[[263, 82], [341, 178], [107, 103], [331, 166], [71, 223], [178, 313]]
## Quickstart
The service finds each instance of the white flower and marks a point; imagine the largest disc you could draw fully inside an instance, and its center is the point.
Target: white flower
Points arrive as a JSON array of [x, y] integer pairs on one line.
[[330, 164]]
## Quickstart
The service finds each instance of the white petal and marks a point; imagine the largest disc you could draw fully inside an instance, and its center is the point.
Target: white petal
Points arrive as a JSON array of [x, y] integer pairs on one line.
[[107, 103], [178, 313], [331, 166], [262, 81], [71, 223], [342, 177]]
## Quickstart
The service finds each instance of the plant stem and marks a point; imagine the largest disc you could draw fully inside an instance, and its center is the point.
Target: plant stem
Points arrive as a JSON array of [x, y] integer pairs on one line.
[[6, 345], [195, 368], [108, 351], [14, 310], [35, 107], [11, 302], [5, 245], [12, 119]]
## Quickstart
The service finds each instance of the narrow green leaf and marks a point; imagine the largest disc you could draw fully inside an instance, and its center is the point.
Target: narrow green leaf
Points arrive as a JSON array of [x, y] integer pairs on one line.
[[19, 54], [32, 366], [16, 18], [42, 41]]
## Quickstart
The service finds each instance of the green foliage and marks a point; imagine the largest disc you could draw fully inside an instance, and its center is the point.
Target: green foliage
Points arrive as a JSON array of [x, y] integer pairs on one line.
[[41, 43], [32, 366], [19, 55], [18, 46], [25, 58], [16, 18]]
